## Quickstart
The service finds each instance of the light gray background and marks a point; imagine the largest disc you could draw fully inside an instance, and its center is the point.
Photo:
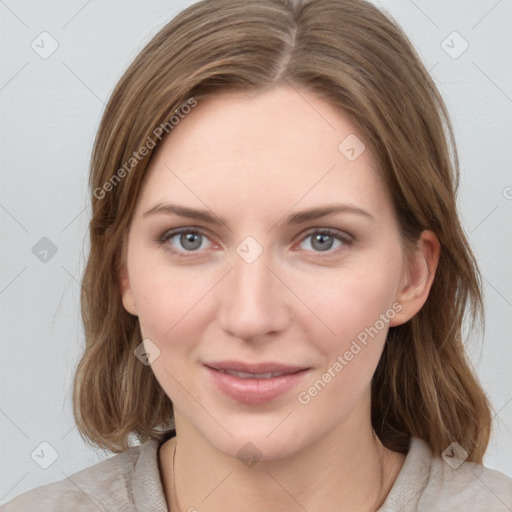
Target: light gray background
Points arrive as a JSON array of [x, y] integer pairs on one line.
[[50, 111]]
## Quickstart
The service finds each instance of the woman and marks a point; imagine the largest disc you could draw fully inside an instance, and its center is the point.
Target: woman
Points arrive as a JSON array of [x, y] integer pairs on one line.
[[277, 276]]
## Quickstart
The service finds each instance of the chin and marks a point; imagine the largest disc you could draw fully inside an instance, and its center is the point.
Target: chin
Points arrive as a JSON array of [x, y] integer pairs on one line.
[[254, 440]]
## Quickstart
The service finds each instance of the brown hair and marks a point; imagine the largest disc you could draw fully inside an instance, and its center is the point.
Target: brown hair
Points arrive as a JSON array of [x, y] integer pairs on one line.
[[357, 58]]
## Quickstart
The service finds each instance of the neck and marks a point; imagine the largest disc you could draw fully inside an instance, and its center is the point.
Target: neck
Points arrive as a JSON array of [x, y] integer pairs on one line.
[[206, 479]]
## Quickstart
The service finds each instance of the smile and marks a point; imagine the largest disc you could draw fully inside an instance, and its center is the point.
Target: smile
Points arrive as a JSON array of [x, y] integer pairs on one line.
[[254, 387]]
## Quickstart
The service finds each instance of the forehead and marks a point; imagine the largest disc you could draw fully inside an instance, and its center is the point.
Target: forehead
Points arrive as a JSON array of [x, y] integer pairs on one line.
[[281, 121], [259, 150]]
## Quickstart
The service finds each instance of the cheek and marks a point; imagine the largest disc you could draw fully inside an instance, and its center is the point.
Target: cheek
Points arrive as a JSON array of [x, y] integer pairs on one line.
[[358, 307], [175, 309], [351, 305], [358, 310], [171, 312], [161, 293]]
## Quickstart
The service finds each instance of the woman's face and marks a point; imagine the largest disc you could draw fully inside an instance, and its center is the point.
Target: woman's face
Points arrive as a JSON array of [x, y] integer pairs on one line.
[[267, 285]]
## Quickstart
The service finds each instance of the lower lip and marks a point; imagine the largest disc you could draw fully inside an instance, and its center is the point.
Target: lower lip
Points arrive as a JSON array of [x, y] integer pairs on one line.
[[254, 391]]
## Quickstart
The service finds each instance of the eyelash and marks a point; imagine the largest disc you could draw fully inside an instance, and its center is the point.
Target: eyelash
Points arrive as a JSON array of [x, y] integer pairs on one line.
[[346, 239]]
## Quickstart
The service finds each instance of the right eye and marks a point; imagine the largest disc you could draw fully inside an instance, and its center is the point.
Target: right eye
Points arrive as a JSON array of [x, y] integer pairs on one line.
[[183, 240]]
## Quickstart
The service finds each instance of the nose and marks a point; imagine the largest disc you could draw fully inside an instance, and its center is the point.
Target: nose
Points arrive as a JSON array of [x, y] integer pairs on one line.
[[254, 302]]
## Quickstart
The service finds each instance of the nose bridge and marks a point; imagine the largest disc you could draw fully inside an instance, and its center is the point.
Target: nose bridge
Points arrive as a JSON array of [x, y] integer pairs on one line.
[[251, 279], [253, 302]]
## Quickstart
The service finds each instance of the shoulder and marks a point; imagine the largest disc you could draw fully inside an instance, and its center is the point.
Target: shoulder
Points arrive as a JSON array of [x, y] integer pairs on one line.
[[105, 486], [428, 482]]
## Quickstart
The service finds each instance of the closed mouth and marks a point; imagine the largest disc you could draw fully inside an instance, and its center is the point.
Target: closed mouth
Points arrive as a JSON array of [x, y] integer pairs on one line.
[[247, 375]]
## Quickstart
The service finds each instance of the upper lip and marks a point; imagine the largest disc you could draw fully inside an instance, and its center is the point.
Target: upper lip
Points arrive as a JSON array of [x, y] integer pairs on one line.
[[240, 366]]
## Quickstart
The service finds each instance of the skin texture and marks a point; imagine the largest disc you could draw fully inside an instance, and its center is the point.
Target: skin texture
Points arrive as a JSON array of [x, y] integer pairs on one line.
[[253, 159]]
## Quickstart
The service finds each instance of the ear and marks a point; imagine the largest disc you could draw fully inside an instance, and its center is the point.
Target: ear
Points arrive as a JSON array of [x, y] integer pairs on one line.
[[417, 278], [124, 279], [126, 291]]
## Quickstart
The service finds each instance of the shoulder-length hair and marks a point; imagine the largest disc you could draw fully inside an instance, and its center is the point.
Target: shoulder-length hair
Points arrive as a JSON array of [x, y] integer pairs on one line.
[[356, 57]]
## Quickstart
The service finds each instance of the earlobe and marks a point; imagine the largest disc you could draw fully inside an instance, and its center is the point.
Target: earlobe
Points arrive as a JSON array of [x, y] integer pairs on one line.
[[126, 291], [418, 276]]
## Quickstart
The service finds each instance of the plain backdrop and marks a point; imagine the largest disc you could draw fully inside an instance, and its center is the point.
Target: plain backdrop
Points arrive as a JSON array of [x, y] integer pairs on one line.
[[51, 106]]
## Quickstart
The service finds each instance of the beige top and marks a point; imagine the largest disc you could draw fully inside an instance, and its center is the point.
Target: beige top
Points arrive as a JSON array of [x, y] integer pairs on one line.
[[130, 481]]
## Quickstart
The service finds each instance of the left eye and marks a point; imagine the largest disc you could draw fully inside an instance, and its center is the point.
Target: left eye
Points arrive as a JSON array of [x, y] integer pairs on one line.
[[323, 240], [191, 240]]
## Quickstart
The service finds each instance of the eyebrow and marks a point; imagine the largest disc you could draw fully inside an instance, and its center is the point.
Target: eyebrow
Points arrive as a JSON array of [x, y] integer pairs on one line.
[[294, 218]]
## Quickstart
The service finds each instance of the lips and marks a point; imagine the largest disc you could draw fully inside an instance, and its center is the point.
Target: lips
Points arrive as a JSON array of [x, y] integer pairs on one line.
[[254, 383], [247, 375], [254, 368]]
